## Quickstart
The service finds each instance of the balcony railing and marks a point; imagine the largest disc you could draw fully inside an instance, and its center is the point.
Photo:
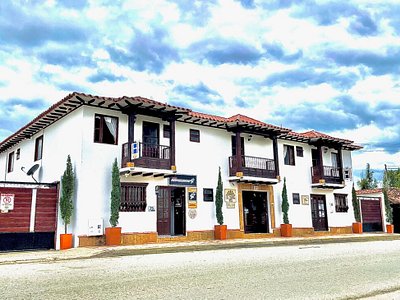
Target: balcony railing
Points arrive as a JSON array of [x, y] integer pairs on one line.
[[253, 166], [330, 174], [148, 156]]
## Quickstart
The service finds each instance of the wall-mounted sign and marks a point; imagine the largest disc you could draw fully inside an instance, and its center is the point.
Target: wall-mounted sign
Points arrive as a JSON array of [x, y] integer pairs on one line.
[[135, 150], [183, 180], [305, 200], [7, 202], [230, 198], [192, 213], [192, 197]]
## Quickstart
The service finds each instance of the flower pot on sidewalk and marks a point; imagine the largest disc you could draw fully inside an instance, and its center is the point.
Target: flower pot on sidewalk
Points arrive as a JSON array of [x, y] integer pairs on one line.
[[220, 232], [357, 227], [113, 236], [65, 241], [286, 230], [389, 228]]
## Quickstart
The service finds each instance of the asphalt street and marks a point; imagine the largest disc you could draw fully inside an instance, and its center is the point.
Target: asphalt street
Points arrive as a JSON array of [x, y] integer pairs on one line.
[[327, 271]]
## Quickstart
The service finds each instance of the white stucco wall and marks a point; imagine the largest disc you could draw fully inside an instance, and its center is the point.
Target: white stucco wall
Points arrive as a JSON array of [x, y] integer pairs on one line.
[[92, 162]]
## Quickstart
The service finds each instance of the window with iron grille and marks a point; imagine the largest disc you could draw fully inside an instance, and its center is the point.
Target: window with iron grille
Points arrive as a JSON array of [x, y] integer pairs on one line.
[[341, 203], [133, 197]]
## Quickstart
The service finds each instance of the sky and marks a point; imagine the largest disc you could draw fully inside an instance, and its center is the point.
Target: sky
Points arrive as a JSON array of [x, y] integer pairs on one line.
[[332, 66]]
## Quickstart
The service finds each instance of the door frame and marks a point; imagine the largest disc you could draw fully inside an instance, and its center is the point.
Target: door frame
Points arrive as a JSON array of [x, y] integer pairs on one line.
[[171, 208], [326, 211], [268, 224]]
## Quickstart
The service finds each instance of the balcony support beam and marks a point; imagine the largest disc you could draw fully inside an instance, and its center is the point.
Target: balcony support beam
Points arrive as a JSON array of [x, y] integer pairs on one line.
[[276, 154], [238, 152], [340, 163], [172, 142]]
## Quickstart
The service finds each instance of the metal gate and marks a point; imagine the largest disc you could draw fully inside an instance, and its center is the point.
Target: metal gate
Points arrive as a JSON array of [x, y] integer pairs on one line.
[[371, 212], [31, 223]]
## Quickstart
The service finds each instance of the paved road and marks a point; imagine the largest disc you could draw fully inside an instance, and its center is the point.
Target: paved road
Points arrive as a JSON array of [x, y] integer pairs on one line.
[[330, 271]]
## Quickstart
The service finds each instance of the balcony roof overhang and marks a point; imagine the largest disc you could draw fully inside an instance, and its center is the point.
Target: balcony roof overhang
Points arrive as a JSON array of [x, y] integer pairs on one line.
[[254, 180], [328, 186], [145, 172]]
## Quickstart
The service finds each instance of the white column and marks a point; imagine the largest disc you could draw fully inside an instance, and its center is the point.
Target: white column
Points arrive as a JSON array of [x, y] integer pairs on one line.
[[33, 211]]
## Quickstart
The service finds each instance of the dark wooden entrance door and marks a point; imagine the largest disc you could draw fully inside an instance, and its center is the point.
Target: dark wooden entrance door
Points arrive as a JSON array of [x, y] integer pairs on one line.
[[171, 211], [164, 211], [318, 213], [150, 147], [178, 218], [255, 212]]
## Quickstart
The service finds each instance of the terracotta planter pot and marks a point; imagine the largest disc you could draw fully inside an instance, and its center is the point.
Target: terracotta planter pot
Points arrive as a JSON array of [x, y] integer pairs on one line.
[[65, 241], [113, 236], [357, 227], [389, 228], [286, 230], [220, 232]]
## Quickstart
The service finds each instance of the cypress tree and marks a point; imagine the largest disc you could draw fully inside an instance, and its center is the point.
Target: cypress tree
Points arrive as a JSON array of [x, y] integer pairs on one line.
[[219, 199], [388, 208], [115, 195], [67, 192], [356, 205], [285, 203]]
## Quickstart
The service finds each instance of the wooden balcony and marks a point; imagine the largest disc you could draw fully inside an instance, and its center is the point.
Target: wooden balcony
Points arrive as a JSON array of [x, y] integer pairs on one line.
[[329, 173], [149, 156], [253, 166]]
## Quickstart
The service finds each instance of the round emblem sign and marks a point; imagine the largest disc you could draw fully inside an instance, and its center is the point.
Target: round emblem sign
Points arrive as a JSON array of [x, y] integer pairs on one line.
[[192, 213]]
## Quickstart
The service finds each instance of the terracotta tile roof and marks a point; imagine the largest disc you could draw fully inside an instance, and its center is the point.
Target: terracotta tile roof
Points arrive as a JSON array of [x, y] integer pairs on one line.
[[207, 116], [73, 101], [367, 192], [315, 134], [393, 194]]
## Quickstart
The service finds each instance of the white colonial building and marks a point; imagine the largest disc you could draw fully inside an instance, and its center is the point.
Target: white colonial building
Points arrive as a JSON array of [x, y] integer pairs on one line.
[[169, 159]]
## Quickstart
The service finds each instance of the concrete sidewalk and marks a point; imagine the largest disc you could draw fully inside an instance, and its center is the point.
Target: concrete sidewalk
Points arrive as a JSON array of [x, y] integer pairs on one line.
[[108, 251]]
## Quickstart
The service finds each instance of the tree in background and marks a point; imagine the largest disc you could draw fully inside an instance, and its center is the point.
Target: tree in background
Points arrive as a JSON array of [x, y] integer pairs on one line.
[[356, 205], [367, 181], [391, 178]]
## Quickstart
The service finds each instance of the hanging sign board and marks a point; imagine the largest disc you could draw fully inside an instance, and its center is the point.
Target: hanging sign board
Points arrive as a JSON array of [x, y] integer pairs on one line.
[[7, 202], [183, 180], [135, 150], [192, 197]]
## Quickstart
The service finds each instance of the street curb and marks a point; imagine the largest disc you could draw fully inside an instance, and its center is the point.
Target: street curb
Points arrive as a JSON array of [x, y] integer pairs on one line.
[[213, 245], [264, 244]]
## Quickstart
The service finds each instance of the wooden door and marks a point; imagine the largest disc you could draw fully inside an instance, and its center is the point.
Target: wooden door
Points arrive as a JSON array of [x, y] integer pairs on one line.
[[164, 211], [318, 213], [371, 211]]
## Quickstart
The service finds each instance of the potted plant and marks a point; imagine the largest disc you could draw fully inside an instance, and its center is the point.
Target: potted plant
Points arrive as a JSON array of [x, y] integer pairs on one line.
[[113, 233], [286, 228], [66, 205], [357, 225], [388, 212], [220, 231]]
